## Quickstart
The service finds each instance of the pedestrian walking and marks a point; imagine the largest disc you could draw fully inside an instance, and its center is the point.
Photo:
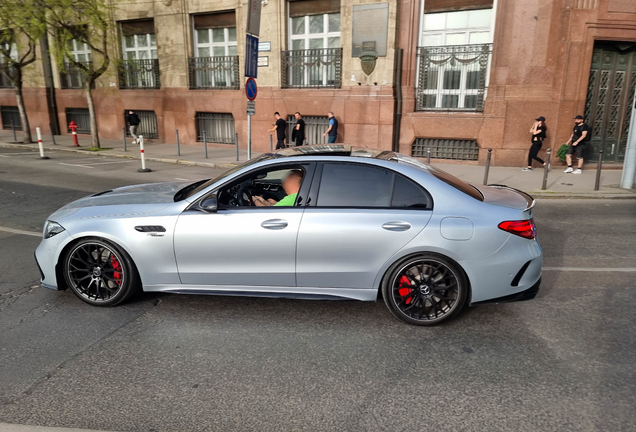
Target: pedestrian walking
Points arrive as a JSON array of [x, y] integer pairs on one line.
[[133, 124], [280, 127], [298, 135], [537, 130], [576, 144], [332, 130]]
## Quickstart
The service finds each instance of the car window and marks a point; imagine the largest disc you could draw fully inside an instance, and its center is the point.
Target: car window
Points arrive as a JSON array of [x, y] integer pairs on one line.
[[407, 194], [345, 185]]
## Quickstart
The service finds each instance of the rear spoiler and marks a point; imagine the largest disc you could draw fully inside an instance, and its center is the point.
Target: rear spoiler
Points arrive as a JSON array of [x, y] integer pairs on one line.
[[531, 201]]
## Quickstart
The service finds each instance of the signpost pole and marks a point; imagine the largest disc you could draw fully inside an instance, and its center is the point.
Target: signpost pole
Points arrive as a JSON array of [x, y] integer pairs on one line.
[[249, 137]]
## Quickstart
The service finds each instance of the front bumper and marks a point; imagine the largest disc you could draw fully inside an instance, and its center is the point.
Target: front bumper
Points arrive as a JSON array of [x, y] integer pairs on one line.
[[46, 257]]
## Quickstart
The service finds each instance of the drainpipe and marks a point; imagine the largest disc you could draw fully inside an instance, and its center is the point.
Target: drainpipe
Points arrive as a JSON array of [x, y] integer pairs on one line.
[[50, 85], [397, 95]]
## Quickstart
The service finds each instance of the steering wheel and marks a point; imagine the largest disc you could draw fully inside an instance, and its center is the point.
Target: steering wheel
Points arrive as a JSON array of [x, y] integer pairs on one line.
[[244, 197]]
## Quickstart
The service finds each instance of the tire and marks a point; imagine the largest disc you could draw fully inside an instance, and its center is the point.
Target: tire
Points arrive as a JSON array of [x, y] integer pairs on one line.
[[100, 273], [425, 289]]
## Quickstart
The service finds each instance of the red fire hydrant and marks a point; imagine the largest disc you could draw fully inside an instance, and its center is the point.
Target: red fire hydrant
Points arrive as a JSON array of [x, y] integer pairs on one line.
[[73, 127]]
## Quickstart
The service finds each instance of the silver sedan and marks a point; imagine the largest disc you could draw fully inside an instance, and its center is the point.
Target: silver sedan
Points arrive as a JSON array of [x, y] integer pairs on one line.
[[314, 222]]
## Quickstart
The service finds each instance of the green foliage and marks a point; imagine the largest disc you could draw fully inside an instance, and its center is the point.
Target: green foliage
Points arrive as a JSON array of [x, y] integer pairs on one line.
[[561, 153], [20, 30]]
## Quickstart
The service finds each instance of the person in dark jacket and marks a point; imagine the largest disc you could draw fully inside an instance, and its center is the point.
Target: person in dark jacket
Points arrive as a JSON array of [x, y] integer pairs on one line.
[[133, 124], [332, 130], [537, 130], [298, 133], [280, 127]]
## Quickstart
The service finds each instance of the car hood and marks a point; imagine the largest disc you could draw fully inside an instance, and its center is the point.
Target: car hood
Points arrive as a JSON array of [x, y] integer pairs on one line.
[[137, 199]]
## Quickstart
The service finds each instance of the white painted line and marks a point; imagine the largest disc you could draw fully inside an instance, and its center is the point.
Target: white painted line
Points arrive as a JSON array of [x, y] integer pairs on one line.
[[106, 163], [18, 231], [75, 165], [11, 154], [177, 178], [592, 269], [8, 427]]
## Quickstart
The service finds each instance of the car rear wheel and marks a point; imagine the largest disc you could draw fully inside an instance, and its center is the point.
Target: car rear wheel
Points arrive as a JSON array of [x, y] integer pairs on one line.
[[425, 290], [100, 273]]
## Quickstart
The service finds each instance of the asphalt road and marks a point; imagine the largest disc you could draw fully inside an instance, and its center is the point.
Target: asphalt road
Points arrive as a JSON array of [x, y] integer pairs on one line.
[[564, 361]]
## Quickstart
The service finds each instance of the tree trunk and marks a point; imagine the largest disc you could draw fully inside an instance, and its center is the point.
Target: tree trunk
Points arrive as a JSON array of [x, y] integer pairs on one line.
[[91, 112], [26, 129]]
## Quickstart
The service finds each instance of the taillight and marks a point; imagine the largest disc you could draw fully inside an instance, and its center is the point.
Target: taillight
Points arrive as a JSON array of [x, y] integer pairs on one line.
[[522, 228]]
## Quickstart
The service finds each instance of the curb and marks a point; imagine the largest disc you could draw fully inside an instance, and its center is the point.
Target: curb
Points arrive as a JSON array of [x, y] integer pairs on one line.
[[125, 156]]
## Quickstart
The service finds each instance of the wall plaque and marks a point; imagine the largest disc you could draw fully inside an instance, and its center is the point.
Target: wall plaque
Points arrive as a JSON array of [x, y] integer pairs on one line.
[[370, 29]]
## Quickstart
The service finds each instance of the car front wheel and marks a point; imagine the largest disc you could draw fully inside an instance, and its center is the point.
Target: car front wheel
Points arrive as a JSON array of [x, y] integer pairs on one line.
[[100, 273], [425, 290]]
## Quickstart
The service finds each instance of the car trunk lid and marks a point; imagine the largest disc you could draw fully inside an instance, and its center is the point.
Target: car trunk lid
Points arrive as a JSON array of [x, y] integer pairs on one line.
[[505, 196]]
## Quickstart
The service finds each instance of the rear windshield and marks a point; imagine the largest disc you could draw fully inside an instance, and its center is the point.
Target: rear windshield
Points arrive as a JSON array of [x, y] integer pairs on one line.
[[451, 180]]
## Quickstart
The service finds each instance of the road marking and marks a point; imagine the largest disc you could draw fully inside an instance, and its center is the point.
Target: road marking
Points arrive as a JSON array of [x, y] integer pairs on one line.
[[11, 154], [18, 231], [177, 178], [113, 162], [75, 165], [592, 269]]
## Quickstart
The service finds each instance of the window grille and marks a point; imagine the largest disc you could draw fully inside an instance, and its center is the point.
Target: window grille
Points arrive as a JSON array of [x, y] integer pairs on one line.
[[73, 77], [452, 78], [218, 127], [139, 74], [10, 117], [147, 124], [82, 119], [220, 72], [315, 126], [446, 149]]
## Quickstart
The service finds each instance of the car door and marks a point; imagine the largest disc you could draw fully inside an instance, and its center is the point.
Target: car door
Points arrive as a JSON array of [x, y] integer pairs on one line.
[[244, 246], [359, 217]]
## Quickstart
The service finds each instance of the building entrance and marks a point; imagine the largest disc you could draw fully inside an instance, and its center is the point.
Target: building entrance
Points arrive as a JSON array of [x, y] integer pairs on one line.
[[610, 95]]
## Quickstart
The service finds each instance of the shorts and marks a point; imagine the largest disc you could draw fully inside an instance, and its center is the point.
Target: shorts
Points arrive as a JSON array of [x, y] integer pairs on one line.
[[577, 150]]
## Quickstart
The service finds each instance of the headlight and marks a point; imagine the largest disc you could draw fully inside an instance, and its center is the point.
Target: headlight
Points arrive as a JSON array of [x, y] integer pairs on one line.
[[52, 228]]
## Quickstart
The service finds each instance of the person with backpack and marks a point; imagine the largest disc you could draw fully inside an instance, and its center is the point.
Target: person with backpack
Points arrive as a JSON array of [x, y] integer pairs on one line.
[[133, 124], [576, 144], [537, 130]]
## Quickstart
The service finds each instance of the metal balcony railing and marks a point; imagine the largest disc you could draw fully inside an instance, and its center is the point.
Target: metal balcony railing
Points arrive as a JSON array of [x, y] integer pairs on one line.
[[214, 73], [74, 77], [452, 78], [139, 74], [312, 68]]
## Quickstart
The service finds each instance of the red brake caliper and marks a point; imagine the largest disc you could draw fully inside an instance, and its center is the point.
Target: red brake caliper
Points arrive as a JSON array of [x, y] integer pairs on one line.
[[117, 267], [405, 288]]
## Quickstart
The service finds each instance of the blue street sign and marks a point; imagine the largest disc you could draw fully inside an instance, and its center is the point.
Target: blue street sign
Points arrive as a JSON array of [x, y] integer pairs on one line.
[[250, 89], [251, 56]]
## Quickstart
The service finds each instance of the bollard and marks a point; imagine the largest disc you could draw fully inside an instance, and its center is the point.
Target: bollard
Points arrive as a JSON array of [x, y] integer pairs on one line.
[[37, 130], [52, 135], [143, 155], [271, 143], [236, 142], [546, 169], [15, 138], [598, 170], [123, 137], [205, 144], [428, 156], [487, 166], [178, 145]]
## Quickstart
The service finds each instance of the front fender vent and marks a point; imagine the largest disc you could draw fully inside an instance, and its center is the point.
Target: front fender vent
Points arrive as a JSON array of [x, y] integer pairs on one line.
[[150, 228]]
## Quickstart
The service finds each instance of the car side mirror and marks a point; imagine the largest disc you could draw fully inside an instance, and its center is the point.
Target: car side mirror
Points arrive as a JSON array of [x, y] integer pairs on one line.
[[209, 205]]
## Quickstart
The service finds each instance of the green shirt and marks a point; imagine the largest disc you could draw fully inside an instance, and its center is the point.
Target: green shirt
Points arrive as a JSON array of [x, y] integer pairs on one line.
[[289, 200]]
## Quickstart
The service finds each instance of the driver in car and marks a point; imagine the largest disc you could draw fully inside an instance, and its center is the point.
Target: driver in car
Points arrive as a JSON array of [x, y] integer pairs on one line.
[[291, 185]]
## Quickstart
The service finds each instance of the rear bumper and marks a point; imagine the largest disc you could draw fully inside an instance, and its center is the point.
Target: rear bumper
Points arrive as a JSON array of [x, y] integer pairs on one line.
[[528, 294]]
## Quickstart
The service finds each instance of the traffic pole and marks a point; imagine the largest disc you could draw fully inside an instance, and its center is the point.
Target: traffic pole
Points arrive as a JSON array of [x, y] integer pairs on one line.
[[249, 137], [428, 156], [271, 143], [236, 142], [598, 170], [487, 166], [37, 130], [143, 155], [546, 169], [178, 145], [52, 135], [15, 138], [205, 143], [123, 137]]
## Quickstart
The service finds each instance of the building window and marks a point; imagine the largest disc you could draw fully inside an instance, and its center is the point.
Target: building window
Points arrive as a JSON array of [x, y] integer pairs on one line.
[[453, 58], [82, 119], [315, 55], [80, 51], [218, 127], [139, 67], [446, 149], [215, 62], [73, 76], [5, 67], [10, 117], [147, 124]]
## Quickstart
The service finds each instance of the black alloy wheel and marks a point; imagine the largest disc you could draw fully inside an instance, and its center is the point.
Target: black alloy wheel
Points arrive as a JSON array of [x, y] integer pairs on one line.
[[425, 290], [99, 273]]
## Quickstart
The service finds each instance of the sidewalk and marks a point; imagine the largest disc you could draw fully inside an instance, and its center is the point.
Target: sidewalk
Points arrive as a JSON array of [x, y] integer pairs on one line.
[[560, 185]]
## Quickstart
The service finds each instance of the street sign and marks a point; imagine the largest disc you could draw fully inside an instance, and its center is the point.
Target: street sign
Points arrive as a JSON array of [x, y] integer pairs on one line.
[[254, 17], [251, 108], [251, 56], [251, 90]]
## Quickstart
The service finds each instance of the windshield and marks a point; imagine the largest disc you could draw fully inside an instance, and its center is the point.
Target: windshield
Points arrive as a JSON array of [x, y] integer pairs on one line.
[[197, 187]]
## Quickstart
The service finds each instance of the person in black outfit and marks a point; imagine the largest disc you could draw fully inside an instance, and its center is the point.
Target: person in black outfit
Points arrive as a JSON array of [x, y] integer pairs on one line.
[[299, 131], [538, 135], [576, 144], [133, 123], [279, 127]]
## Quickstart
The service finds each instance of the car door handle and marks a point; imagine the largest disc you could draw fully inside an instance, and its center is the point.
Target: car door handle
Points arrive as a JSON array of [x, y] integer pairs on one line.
[[396, 226], [275, 224]]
